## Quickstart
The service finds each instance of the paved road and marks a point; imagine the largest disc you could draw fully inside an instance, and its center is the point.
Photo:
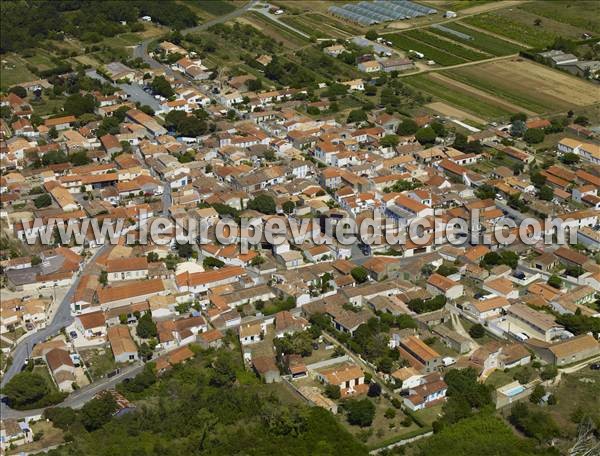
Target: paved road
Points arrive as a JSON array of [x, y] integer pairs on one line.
[[141, 50], [135, 92], [265, 12], [61, 319], [78, 398]]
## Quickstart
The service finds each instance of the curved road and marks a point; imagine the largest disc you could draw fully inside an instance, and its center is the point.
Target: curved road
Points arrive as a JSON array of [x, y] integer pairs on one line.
[[61, 319]]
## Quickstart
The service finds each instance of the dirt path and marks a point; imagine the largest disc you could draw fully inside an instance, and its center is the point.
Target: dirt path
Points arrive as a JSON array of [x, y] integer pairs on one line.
[[481, 94], [487, 7]]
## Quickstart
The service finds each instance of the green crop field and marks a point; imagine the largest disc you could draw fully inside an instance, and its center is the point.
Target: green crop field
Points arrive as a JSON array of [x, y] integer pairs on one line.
[[400, 40], [445, 45], [215, 7], [346, 27], [298, 23], [496, 23], [456, 97], [487, 43]]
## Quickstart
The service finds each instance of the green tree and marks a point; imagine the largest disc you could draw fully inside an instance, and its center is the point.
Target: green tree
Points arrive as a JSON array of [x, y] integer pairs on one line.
[[371, 35], [546, 193], [360, 412], [25, 389], [555, 281], [389, 141], [263, 203], [80, 158], [43, 200], [332, 392], [212, 263], [162, 87], [477, 331], [359, 274], [537, 394], [407, 127], [146, 328], [357, 115], [288, 207], [98, 411], [77, 104], [18, 91], [426, 135], [534, 136]]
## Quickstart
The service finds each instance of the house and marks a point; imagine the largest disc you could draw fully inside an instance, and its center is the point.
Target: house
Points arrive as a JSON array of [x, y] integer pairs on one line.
[[288, 324], [573, 350], [349, 377], [501, 286], [452, 339], [251, 333], [370, 66], [132, 292], [488, 308], [122, 345], [213, 338], [438, 284], [62, 369], [266, 368], [14, 433], [389, 65], [127, 269], [91, 325], [540, 325], [419, 355], [172, 358], [430, 391], [334, 50]]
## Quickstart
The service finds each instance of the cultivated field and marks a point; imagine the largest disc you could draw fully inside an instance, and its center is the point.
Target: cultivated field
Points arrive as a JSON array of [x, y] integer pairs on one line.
[[450, 111], [460, 98], [499, 24], [529, 85], [584, 14], [406, 43], [483, 41]]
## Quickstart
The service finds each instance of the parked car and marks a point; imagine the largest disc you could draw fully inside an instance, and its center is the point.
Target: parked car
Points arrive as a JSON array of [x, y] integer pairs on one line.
[[73, 334]]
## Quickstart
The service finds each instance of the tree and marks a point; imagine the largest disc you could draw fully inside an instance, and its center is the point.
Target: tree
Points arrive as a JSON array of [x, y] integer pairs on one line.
[[555, 281], [43, 200], [263, 203], [288, 207], [439, 129], [357, 115], [80, 158], [18, 91], [549, 372], [212, 263], [546, 193], [78, 105], [407, 127], [374, 390], [569, 158], [485, 191], [359, 274], [25, 389], [371, 35], [160, 86], [333, 392], [426, 135], [389, 141], [254, 85], [146, 328], [537, 22], [537, 394], [518, 128], [98, 411], [360, 412], [534, 135], [53, 133], [184, 250], [582, 120], [103, 278], [518, 116], [477, 331]]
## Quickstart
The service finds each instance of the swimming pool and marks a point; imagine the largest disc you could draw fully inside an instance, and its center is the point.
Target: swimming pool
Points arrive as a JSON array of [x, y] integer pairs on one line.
[[514, 391]]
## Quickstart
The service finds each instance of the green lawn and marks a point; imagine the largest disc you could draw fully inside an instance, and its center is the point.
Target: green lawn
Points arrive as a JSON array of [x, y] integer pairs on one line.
[[14, 71], [43, 371], [98, 362]]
